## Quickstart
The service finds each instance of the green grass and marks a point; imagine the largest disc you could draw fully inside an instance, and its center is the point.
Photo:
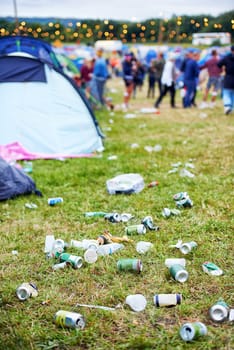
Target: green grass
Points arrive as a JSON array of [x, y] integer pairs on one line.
[[184, 135]]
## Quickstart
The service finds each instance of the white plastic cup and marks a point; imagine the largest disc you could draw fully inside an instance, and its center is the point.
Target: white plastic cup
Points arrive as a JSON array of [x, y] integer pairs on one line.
[[107, 249], [90, 256], [143, 247], [137, 302]]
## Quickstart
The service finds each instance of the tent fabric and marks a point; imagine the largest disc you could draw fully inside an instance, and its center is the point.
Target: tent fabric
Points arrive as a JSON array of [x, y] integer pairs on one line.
[[46, 119], [14, 182], [18, 69]]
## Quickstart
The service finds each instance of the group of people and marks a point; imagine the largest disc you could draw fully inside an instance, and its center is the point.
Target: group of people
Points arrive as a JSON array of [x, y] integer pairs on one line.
[[167, 75]]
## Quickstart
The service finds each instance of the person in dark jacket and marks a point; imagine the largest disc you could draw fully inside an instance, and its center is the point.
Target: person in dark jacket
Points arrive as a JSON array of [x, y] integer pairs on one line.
[[191, 73], [227, 63]]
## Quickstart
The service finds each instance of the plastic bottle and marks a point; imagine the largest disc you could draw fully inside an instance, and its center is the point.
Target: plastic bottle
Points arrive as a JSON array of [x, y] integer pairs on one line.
[[107, 249]]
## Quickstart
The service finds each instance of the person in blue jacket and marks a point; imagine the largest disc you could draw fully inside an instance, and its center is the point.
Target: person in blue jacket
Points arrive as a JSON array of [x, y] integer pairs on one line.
[[100, 75], [190, 69]]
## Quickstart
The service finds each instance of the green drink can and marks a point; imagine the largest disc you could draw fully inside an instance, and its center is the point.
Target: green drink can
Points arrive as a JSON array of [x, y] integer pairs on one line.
[[75, 261], [179, 273], [130, 265], [191, 331], [135, 229], [219, 311]]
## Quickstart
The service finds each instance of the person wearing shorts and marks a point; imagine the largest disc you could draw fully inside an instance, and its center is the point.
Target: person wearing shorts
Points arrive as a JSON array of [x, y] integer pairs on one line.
[[214, 79]]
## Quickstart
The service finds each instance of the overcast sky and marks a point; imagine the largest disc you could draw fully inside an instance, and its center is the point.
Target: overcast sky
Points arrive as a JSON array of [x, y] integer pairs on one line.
[[114, 9]]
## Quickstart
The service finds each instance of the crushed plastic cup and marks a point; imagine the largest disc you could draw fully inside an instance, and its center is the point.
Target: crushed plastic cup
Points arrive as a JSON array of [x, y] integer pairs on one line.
[[157, 148], [126, 184], [137, 302], [142, 247], [185, 173], [90, 256]]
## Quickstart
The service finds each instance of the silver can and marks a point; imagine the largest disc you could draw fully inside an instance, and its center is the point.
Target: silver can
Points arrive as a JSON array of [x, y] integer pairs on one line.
[[26, 290], [69, 319], [219, 311], [191, 331]]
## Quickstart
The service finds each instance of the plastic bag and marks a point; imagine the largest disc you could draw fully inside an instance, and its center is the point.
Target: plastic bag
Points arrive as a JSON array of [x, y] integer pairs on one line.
[[125, 183]]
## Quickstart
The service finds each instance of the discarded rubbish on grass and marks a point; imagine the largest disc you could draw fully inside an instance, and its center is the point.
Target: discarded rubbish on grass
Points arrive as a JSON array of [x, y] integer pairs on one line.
[[153, 184], [182, 200], [112, 217], [69, 319], [90, 256], [192, 331], [75, 261], [174, 261], [26, 290], [55, 201], [137, 302], [107, 237], [167, 300], [211, 269], [135, 229], [148, 223], [108, 249], [186, 173], [30, 206], [130, 265], [179, 273], [107, 308], [166, 212], [125, 184], [219, 311], [186, 247], [143, 247], [61, 265]]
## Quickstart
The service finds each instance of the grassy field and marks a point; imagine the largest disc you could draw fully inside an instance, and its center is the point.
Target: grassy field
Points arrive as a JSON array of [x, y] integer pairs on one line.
[[203, 137]]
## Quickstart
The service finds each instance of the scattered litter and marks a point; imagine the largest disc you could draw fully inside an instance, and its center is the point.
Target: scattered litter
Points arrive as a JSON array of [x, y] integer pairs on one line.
[[26, 290], [179, 273], [166, 212], [30, 205], [69, 319], [142, 247], [110, 248], [176, 165], [150, 111], [182, 200], [191, 331], [75, 261], [130, 265], [231, 315], [211, 269], [54, 201], [185, 173], [172, 171], [84, 244], [112, 217], [14, 252], [148, 223], [153, 184], [90, 256], [142, 126], [173, 261], [135, 229], [134, 145], [137, 302], [189, 165], [111, 121], [125, 184], [107, 308], [203, 115], [112, 157], [156, 148], [130, 116], [59, 266], [219, 311], [167, 300], [185, 248]]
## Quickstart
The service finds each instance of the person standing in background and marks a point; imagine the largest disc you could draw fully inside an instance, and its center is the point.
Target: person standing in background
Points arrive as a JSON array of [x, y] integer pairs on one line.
[[214, 80], [100, 75], [191, 73], [227, 63], [159, 65], [128, 75]]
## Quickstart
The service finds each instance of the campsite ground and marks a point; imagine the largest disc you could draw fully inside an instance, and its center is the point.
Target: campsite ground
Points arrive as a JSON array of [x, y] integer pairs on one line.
[[201, 137]]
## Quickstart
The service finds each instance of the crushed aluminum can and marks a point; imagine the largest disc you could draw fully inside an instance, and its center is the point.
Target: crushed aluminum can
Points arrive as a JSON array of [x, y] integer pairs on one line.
[[75, 261], [211, 269], [125, 217], [187, 247], [112, 217], [179, 273], [130, 265], [184, 203], [26, 290], [69, 319], [95, 214], [148, 223], [191, 331], [179, 196], [54, 201], [219, 311]]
